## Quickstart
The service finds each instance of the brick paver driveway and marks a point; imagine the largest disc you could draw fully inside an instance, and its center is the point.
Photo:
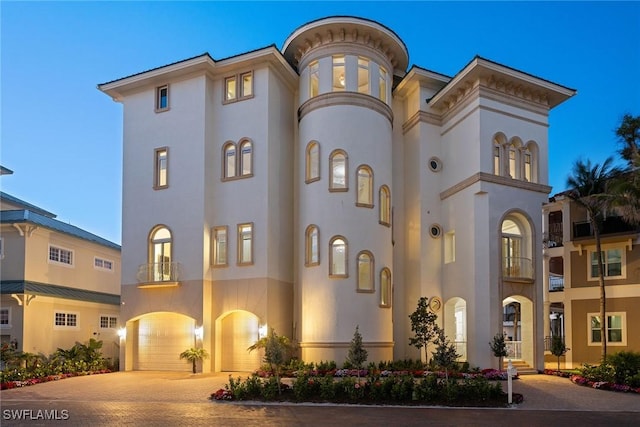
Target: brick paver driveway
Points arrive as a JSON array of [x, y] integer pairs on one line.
[[167, 399]]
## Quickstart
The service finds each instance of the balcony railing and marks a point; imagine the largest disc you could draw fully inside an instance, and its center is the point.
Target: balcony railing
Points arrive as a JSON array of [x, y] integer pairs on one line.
[[548, 341], [514, 349], [517, 268], [611, 225], [159, 273], [556, 283]]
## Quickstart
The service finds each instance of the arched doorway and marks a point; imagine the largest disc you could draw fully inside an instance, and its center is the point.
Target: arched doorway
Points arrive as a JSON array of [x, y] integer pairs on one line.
[[159, 338], [238, 331], [455, 325], [518, 326]]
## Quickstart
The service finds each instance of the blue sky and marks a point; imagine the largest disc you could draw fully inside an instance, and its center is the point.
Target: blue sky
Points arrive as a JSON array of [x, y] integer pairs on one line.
[[63, 138]]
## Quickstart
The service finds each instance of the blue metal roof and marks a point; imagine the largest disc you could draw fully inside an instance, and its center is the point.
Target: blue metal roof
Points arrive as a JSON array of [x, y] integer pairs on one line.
[[44, 289], [24, 215], [25, 205]]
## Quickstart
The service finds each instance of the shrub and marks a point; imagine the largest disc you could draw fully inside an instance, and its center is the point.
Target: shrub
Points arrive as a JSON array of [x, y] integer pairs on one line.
[[306, 387], [626, 364], [270, 388], [402, 389], [327, 388], [427, 390], [597, 373]]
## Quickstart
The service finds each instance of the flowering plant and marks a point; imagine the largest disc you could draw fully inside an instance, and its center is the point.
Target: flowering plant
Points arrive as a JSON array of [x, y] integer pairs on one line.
[[222, 394]]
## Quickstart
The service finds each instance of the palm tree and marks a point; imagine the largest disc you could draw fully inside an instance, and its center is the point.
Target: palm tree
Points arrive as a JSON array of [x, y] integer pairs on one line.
[[193, 355], [627, 188], [588, 187]]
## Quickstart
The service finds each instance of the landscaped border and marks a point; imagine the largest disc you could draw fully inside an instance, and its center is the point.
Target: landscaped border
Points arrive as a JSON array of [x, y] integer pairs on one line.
[[33, 381]]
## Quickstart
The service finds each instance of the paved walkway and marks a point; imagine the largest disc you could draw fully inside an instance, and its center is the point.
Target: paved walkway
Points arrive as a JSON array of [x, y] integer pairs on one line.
[[539, 391]]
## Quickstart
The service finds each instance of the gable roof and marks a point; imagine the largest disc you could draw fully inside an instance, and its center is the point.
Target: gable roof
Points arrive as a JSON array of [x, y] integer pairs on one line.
[[25, 205]]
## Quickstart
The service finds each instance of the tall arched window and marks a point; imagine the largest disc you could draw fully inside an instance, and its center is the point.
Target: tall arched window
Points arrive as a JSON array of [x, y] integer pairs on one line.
[[160, 254], [517, 248], [229, 153], [513, 158], [385, 287], [312, 162], [338, 170], [364, 177], [365, 272], [338, 257], [530, 162], [312, 255], [385, 205], [246, 158], [499, 141]]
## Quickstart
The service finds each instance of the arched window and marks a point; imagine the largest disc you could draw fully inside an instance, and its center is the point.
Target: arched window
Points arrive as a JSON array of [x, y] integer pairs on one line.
[[529, 162], [246, 158], [312, 162], [229, 159], [385, 287], [513, 158], [365, 272], [338, 170], [312, 255], [364, 177], [160, 254], [338, 257], [385, 205], [516, 248], [499, 141]]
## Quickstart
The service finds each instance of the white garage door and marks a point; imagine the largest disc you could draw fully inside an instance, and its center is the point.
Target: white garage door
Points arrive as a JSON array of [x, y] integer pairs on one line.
[[161, 339], [239, 331]]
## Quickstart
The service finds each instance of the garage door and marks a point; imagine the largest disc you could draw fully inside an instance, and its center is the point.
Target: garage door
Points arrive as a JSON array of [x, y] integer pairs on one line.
[[239, 331], [161, 339]]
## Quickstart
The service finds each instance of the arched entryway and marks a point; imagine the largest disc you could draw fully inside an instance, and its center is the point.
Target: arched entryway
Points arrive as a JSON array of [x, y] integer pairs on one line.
[[455, 325], [518, 327], [158, 339], [237, 331]]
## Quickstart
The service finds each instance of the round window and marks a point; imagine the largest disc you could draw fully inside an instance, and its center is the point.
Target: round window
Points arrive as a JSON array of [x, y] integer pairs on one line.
[[435, 230], [435, 164]]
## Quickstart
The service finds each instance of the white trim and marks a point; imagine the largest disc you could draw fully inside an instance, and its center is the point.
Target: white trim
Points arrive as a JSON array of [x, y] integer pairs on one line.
[[109, 317], [66, 327], [103, 260], [60, 248], [8, 325], [605, 248], [623, 343]]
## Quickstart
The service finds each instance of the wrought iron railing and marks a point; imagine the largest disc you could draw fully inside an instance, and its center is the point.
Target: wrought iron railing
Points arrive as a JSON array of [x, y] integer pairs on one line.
[[556, 283], [517, 267], [159, 272]]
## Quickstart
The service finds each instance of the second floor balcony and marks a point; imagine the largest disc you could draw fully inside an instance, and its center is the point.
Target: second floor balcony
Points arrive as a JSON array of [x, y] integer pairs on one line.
[[556, 283], [159, 274], [611, 225], [517, 268]]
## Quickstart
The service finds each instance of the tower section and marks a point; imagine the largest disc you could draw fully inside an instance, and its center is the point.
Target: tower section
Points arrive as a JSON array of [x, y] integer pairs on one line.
[[344, 185]]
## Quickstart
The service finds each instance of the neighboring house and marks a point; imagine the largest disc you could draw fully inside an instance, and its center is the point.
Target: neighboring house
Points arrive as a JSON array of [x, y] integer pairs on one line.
[[322, 187], [59, 284], [572, 290]]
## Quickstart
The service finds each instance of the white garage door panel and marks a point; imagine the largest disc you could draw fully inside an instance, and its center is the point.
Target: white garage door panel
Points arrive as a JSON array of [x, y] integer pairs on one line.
[[161, 339], [239, 331]]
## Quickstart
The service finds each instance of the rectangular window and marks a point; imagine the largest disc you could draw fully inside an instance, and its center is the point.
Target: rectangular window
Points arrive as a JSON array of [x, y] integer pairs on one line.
[[238, 87], [339, 81], [496, 160], [161, 171], [108, 322], [313, 79], [449, 247], [512, 163], [60, 255], [383, 85], [363, 75], [102, 264], [615, 329], [5, 317], [162, 98], [527, 167], [611, 263], [245, 244], [65, 320], [220, 246]]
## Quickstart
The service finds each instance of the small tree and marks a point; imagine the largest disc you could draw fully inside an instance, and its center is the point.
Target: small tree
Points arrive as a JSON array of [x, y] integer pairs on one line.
[[445, 355], [499, 348], [357, 353], [193, 355], [558, 348], [423, 325], [274, 354]]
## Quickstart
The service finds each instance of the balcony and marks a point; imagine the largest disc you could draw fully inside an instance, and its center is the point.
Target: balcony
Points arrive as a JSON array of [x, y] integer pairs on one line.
[[517, 268], [611, 225], [159, 274], [556, 283]]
